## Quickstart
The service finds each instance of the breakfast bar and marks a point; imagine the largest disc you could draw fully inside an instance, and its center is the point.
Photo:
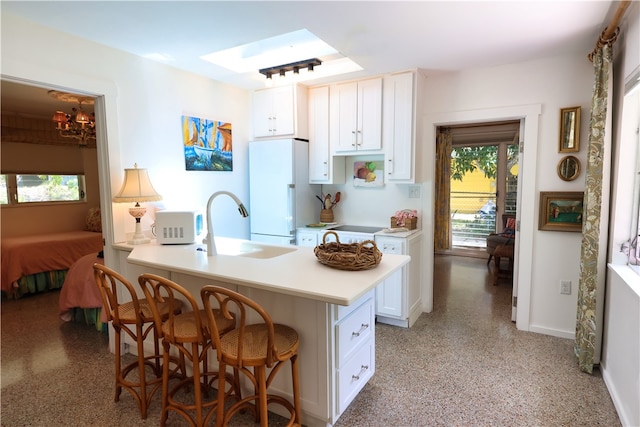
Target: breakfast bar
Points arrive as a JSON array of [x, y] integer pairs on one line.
[[333, 310]]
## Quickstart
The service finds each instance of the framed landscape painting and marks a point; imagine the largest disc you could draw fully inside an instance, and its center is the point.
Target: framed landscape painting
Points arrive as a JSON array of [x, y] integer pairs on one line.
[[561, 210], [207, 144]]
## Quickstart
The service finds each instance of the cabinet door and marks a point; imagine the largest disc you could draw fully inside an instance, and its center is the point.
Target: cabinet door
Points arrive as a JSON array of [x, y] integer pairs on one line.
[[319, 155], [344, 110], [262, 113], [391, 293], [274, 112], [369, 131], [398, 137], [283, 111]]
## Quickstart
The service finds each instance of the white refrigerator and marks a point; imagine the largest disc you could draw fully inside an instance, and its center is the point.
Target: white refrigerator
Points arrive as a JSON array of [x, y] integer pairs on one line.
[[280, 196]]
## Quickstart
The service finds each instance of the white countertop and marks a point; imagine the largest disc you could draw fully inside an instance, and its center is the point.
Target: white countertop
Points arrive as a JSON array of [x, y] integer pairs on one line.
[[382, 232], [296, 273]]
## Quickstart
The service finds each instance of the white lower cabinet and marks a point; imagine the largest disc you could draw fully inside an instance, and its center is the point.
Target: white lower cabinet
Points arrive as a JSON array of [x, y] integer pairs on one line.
[[337, 343], [354, 328], [398, 297], [307, 238]]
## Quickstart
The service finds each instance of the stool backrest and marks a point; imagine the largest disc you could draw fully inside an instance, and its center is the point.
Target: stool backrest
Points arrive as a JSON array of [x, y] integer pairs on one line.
[[246, 310], [162, 290], [108, 281]]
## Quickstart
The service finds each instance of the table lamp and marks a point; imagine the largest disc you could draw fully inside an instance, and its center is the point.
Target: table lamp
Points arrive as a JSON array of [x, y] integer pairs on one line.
[[137, 188]]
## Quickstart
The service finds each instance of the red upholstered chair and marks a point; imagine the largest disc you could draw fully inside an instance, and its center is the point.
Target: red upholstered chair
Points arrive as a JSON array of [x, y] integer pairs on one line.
[[500, 245]]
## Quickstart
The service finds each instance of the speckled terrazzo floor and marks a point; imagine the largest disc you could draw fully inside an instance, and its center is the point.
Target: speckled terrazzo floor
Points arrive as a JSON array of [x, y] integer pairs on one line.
[[464, 364]]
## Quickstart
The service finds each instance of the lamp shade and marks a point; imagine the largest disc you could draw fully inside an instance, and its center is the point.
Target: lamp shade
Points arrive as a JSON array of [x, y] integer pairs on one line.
[[82, 117], [59, 117], [136, 187]]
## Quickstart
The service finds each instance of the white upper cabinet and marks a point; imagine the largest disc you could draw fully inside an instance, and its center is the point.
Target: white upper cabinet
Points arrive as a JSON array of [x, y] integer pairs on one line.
[[323, 167], [356, 116], [280, 111], [398, 129]]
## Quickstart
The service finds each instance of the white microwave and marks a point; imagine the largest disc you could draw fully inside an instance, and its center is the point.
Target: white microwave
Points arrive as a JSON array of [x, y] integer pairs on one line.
[[179, 227]]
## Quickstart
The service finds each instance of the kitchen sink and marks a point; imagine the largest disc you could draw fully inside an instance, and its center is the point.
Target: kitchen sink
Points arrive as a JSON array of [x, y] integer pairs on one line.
[[248, 249]]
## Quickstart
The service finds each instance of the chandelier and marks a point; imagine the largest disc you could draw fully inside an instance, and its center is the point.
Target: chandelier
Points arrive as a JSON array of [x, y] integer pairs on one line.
[[78, 125]]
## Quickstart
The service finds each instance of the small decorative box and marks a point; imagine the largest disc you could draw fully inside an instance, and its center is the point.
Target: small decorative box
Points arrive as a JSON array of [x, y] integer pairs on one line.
[[409, 223]]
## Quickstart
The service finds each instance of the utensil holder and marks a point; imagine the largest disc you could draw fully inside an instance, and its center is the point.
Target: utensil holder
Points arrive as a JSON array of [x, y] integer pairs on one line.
[[326, 215]]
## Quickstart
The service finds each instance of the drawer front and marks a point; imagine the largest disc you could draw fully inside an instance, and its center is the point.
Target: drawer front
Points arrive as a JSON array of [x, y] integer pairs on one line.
[[354, 331], [354, 375], [307, 239], [391, 246], [342, 311]]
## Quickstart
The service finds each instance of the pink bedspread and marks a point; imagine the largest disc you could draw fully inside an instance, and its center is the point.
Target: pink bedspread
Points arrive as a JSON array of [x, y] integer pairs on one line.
[[22, 256], [79, 288]]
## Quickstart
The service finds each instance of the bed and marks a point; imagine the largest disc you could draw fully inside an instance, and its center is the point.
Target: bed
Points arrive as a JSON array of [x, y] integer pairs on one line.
[[32, 264], [80, 299]]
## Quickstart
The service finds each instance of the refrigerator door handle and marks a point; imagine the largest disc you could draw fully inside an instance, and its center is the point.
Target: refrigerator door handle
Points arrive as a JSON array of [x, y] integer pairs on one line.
[[291, 209]]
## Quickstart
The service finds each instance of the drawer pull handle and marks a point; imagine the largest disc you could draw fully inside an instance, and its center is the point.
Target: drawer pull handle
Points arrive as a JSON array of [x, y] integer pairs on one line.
[[362, 328], [363, 369]]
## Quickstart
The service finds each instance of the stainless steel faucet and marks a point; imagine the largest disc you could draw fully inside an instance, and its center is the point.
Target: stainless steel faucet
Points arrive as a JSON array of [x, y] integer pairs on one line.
[[211, 244]]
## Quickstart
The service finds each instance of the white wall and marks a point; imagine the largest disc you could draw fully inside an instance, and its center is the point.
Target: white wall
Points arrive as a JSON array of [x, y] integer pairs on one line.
[[552, 83], [143, 103], [620, 362]]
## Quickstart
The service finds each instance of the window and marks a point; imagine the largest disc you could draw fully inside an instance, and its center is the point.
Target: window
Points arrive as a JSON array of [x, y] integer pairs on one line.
[[4, 193], [35, 188], [630, 132]]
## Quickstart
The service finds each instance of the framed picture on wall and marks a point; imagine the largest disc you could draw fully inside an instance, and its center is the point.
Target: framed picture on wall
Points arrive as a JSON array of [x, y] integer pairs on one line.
[[561, 210], [207, 144], [569, 130], [368, 173]]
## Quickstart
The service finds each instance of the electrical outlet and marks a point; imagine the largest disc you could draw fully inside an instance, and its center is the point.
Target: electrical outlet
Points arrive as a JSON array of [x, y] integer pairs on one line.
[[414, 191], [565, 287]]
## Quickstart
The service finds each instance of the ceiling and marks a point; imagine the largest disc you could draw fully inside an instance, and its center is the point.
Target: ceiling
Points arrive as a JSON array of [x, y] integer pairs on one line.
[[380, 36]]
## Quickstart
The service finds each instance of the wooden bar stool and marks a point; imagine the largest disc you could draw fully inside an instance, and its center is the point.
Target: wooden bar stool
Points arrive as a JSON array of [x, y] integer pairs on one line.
[[259, 346], [188, 334], [131, 317]]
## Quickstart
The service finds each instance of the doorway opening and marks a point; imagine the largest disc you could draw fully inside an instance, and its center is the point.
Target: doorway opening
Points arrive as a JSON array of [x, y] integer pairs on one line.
[[483, 183]]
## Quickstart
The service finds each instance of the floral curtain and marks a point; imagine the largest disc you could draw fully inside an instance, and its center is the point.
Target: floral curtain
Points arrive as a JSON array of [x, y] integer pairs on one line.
[[593, 251], [442, 232]]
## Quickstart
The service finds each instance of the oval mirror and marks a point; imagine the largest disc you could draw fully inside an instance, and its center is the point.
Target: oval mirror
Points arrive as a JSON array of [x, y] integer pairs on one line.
[[569, 168]]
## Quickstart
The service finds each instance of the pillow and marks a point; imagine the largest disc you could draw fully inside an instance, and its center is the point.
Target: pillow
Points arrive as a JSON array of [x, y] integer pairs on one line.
[[510, 227], [93, 221]]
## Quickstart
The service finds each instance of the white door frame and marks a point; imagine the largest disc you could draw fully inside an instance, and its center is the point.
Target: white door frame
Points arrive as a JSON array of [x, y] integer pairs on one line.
[[107, 140], [523, 252]]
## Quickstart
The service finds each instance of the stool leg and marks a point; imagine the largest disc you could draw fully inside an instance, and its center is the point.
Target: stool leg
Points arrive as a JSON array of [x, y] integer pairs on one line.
[[197, 392], [221, 386], [141, 374], [165, 383], [261, 379], [496, 272], [118, 367]]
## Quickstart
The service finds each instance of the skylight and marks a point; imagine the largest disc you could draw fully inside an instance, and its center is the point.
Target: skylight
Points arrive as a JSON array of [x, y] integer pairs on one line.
[[283, 49]]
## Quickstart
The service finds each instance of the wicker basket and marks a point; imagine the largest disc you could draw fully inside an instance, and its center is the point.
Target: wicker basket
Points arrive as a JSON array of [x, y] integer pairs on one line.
[[409, 223], [351, 256], [326, 215]]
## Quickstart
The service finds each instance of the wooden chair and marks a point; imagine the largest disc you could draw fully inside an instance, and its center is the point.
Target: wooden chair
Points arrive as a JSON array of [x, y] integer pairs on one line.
[[131, 317], [505, 237], [259, 346], [188, 334], [501, 245]]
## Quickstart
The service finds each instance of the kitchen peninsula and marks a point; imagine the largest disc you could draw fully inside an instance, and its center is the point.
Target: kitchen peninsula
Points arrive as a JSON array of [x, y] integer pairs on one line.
[[332, 310]]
